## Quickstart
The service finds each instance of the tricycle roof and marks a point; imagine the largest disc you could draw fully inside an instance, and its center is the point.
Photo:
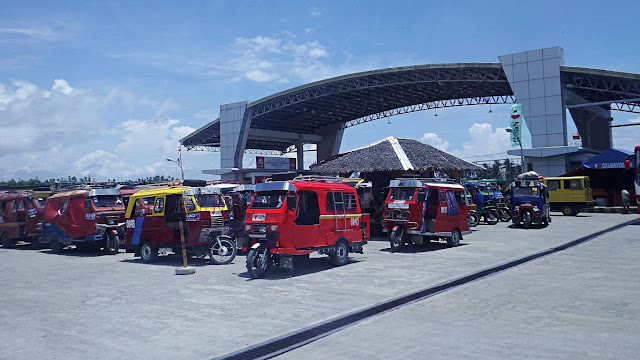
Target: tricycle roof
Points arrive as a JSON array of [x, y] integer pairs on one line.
[[416, 183], [275, 186], [12, 196], [102, 192], [202, 190]]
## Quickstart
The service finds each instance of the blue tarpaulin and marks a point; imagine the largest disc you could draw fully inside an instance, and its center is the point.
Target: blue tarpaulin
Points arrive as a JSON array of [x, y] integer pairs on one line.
[[608, 159]]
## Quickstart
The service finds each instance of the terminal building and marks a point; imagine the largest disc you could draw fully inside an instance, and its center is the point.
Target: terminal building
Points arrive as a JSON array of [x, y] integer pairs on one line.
[[319, 112]]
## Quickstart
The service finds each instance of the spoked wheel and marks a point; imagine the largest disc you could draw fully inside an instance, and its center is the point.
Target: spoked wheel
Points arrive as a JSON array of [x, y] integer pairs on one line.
[[473, 218], [111, 243], [526, 220], [222, 250], [454, 239], [258, 261], [341, 255], [568, 210], [505, 215], [395, 239], [148, 252], [491, 217]]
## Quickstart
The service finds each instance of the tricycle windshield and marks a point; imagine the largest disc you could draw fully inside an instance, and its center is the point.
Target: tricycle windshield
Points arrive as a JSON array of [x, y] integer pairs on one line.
[[209, 200], [402, 193], [107, 201], [525, 191], [268, 200]]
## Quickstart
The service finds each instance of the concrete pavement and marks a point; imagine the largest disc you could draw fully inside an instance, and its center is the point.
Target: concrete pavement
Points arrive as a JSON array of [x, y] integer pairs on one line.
[[84, 306]]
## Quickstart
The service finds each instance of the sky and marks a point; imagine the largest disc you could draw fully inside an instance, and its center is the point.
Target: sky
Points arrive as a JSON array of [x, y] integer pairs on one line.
[[108, 88]]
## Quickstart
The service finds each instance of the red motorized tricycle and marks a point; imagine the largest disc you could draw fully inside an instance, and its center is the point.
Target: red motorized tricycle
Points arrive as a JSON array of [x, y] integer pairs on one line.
[[420, 210], [89, 218], [20, 219], [294, 218]]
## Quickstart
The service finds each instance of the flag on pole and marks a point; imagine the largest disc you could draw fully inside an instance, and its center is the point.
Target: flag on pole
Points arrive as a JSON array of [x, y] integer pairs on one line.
[[516, 124], [179, 161]]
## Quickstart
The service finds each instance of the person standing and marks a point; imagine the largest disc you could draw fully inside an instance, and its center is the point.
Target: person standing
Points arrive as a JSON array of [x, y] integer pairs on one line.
[[625, 201]]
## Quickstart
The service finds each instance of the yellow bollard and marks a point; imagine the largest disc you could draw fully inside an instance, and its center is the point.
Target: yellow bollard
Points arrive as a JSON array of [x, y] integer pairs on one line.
[[185, 270]]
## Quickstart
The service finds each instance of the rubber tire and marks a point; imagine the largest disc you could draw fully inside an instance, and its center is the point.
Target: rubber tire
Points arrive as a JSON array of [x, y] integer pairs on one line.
[[568, 210], [229, 245], [111, 244], [492, 217], [148, 252], [526, 220], [256, 269], [56, 246], [396, 241], [6, 241], [341, 254], [454, 239], [473, 218], [505, 215]]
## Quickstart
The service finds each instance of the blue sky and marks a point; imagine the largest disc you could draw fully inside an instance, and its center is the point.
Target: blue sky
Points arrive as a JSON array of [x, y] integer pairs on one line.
[[107, 88]]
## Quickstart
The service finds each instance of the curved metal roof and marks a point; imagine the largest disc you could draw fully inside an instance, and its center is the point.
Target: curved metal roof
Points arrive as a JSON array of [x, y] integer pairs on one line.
[[366, 96]]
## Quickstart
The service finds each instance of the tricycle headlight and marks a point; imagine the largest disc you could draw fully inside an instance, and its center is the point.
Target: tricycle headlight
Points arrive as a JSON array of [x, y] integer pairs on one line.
[[247, 227], [273, 228]]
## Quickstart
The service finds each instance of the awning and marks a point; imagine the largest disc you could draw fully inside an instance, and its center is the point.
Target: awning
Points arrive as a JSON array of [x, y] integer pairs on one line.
[[608, 159]]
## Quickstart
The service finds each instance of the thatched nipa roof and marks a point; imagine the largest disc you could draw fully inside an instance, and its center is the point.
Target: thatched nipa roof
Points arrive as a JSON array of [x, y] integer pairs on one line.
[[395, 154]]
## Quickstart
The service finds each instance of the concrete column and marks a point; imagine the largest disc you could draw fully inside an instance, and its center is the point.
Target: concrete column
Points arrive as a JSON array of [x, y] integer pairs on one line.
[[534, 77], [300, 152], [594, 129], [235, 121], [330, 145]]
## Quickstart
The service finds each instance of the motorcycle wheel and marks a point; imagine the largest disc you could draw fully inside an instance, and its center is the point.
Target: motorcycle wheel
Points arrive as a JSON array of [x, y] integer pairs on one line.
[[395, 239], [492, 217], [258, 262], [526, 220], [473, 218], [222, 250], [505, 215], [111, 244]]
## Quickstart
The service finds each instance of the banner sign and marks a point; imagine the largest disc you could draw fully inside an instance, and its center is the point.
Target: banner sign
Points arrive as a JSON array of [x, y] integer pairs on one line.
[[275, 163], [516, 124]]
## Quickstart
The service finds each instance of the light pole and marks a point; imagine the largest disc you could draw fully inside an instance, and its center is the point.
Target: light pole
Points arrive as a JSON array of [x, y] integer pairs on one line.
[[179, 165], [516, 137]]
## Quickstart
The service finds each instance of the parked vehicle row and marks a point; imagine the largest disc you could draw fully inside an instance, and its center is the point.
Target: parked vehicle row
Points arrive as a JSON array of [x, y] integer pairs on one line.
[[273, 222]]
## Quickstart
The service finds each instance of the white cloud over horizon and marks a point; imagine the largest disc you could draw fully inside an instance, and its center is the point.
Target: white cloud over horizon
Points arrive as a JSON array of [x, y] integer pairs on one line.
[[67, 131]]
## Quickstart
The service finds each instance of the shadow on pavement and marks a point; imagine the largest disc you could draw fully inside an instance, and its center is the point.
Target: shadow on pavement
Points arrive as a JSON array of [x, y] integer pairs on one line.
[[300, 268], [428, 247], [173, 261]]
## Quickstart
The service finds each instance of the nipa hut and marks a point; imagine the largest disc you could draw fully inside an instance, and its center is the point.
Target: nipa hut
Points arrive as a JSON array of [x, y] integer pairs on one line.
[[393, 157], [396, 155]]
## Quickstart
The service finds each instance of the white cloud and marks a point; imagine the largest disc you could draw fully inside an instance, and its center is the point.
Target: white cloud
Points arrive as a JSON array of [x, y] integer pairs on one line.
[[61, 85], [38, 33], [483, 140], [69, 131], [316, 12], [260, 76], [435, 141], [635, 120]]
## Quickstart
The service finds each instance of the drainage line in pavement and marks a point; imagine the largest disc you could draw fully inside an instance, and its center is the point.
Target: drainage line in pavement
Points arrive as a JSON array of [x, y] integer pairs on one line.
[[280, 345]]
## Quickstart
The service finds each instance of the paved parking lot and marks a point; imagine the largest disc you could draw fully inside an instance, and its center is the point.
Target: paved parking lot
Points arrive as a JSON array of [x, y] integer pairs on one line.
[[576, 303]]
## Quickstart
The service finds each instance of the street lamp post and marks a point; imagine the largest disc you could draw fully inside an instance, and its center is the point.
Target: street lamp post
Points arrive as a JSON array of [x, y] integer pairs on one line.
[[179, 165], [516, 137]]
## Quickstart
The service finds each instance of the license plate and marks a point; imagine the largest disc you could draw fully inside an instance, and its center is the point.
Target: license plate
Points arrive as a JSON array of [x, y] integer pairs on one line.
[[258, 217], [165, 250]]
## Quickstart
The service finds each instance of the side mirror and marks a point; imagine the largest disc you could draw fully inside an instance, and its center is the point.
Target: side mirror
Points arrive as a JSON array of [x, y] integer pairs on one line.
[[291, 203], [422, 196]]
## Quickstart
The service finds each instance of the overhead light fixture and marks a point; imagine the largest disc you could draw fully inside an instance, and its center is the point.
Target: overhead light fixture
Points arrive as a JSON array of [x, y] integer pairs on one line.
[[436, 112], [490, 108], [388, 122]]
